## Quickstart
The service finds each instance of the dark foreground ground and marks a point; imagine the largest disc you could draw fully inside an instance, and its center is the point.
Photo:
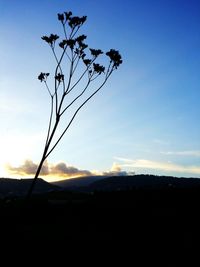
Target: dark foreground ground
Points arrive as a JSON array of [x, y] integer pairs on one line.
[[153, 221]]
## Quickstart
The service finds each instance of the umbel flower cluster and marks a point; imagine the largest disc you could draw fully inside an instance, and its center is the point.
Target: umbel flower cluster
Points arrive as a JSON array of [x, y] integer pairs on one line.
[[77, 67], [78, 48]]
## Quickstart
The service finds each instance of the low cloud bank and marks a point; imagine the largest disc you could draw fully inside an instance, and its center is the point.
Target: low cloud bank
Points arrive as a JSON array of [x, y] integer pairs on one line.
[[61, 169], [116, 170], [157, 165], [28, 168]]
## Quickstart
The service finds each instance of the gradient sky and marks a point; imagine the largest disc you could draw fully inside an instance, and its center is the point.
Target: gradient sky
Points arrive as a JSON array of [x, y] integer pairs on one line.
[[146, 118]]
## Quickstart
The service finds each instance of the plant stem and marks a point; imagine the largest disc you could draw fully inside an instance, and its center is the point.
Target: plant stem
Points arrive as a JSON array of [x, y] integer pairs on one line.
[[44, 156], [35, 178]]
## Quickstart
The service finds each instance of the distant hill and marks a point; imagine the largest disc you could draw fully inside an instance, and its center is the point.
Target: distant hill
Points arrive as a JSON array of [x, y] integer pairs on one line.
[[74, 183], [102, 183], [19, 187], [143, 181]]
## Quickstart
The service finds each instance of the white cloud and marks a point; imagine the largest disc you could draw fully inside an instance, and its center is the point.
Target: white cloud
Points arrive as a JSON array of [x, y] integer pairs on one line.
[[115, 170], [115, 167], [157, 165], [191, 153], [61, 169]]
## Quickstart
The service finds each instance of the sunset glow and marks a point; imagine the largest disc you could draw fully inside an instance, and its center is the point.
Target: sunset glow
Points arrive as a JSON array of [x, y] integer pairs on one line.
[[145, 119]]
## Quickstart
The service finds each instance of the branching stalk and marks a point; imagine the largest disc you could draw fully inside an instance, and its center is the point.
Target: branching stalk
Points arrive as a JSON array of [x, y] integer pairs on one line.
[[93, 70]]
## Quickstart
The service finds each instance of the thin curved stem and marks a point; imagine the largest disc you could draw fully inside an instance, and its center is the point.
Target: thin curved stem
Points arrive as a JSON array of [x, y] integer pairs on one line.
[[64, 29], [63, 82], [80, 78], [76, 64], [50, 122], [48, 88], [76, 112], [74, 33], [95, 77], [76, 98]]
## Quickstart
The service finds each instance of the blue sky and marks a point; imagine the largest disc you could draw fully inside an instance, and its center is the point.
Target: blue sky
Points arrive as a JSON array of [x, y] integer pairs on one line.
[[144, 120]]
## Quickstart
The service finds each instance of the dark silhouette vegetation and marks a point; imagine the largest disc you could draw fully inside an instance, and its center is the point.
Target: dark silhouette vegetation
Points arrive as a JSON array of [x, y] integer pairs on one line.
[[119, 183], [151, 213], [77, 78], [13, 188]]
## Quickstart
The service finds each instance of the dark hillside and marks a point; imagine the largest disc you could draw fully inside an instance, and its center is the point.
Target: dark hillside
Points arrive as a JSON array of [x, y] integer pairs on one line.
[[19, 187], [73, 183], [159, 219], [96, 183], [143, 181]]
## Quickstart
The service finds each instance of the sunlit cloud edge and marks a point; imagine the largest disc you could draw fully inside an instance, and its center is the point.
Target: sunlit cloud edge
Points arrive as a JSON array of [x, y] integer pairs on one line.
[[157, 165], [59, 171]]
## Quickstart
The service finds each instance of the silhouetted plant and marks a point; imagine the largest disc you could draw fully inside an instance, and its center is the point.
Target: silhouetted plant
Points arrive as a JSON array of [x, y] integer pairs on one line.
[[74, 49]]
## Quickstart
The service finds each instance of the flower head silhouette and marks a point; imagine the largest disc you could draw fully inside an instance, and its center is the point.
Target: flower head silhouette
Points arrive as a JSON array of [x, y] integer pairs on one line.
[[115, 57], [43, 76]]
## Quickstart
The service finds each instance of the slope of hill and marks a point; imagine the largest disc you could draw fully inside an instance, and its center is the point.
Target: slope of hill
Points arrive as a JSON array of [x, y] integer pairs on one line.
[[73, 183], [143, 181], [102, 183], [19, 187], [118, 210]]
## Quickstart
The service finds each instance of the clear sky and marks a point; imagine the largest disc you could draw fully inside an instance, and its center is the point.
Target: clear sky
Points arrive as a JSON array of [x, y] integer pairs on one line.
[[145, 119]]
